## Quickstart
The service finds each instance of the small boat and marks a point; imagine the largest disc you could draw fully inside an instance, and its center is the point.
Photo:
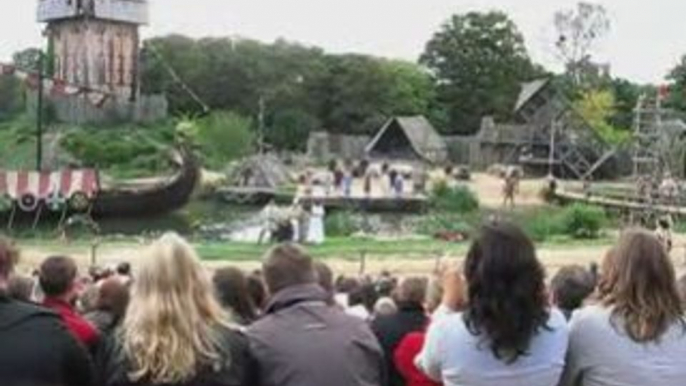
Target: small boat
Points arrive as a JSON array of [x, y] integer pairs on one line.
[[73, 191], [151, 198]]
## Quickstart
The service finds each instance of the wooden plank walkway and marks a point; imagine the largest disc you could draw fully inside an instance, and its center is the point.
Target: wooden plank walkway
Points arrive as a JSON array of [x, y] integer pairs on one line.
[[402, 204], [616, 203]]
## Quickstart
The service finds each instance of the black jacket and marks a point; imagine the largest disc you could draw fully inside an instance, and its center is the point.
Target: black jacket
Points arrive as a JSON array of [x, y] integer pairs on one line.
[[36, 348], [391, 329], [236, 368]]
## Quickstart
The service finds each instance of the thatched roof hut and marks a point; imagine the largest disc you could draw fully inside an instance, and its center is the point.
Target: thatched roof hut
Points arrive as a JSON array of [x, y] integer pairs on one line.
[[408, 138], [259, 171]]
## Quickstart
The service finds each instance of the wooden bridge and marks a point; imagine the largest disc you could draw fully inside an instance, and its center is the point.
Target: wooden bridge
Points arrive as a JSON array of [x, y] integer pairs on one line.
[[401, 204], [617, 203], [407, 203]]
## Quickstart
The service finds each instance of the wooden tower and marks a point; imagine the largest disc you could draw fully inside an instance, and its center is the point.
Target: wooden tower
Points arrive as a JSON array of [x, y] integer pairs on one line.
[[95, 43]]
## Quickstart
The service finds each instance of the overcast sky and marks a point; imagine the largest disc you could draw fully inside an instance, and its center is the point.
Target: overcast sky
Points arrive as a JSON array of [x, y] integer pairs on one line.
[[647, 39]]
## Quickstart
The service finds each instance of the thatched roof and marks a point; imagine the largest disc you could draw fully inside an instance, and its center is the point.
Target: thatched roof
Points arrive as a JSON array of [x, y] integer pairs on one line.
[[529, 90], [260, 171], [425, 141]]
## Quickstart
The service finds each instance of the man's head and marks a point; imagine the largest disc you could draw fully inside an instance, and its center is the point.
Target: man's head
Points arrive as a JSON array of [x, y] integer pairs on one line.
[[9, 257], [57, 276], [412, 290], [571, 286], [287, 265], [20, 288]]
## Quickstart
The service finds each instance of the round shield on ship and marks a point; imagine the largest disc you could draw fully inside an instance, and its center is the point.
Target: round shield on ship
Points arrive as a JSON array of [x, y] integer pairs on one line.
[[28, 202], [56, 202], [79, 202]]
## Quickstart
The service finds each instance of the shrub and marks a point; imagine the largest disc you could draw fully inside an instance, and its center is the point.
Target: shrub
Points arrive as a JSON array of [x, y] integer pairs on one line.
[[453, 199], [545, 224], [443, 222], [224, 137], [583, 221], [578, 221], [340, 224]]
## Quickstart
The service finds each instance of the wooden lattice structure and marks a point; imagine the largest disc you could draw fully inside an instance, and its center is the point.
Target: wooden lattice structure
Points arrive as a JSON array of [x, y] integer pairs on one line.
[[549, 134]]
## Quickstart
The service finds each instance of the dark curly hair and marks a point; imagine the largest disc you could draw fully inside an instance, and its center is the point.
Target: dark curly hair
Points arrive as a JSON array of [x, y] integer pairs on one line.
[[507, 305]]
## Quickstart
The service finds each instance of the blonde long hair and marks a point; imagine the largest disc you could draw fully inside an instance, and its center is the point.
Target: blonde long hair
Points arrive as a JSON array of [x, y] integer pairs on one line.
[[170, 326], [640, 287]]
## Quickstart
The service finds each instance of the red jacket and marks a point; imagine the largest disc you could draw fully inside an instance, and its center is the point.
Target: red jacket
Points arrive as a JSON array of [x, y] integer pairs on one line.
[[404, 356], [80, 327]]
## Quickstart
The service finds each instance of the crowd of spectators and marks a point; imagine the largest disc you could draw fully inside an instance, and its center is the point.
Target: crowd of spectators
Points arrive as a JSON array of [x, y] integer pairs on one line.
[[494, 321]]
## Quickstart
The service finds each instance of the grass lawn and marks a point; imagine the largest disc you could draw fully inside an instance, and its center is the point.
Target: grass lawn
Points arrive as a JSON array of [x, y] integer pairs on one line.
[[351, 248], [340, 248]]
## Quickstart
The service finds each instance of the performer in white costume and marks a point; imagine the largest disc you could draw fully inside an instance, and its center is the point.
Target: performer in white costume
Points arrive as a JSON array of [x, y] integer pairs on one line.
[[315, 234]]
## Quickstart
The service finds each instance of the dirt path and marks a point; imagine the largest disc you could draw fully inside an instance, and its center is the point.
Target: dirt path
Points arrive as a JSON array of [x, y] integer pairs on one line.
[[553, 257], [489, 190]]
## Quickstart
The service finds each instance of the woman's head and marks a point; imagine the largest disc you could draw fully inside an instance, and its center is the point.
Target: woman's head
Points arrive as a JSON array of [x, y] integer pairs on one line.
[[607, 271], [507, 303], [231, 286], [641, 288], [113, 297], [169, 328]]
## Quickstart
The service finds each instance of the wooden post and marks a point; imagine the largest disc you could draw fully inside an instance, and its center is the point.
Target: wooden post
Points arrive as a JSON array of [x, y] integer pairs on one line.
[[36, 218], [39, 115], [551, 153], [363, 261], [437, 261], [94, 252], [10, 222]]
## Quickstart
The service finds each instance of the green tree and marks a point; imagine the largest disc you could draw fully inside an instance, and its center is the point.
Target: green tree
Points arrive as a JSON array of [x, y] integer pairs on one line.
[[27, 60], [223, 137], [411, 88], [352, 94], [479, 61], [626, 94], [289, 129], [284, 83], [677, 86], [597, 107], [11, 97]]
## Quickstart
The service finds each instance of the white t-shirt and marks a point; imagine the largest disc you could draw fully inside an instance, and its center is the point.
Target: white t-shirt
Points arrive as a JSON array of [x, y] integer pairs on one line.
[[358, 311], [599, 355], [454, 356]]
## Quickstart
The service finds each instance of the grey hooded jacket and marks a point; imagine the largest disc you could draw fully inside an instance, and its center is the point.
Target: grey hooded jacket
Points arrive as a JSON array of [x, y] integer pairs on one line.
[[301, 341]]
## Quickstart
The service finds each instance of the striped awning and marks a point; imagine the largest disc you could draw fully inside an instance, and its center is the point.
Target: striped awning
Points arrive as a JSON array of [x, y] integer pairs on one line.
[[41, 185]]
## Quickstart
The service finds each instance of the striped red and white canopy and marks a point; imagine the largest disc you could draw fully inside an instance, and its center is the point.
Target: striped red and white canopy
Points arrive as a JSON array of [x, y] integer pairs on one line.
[[17, 184]]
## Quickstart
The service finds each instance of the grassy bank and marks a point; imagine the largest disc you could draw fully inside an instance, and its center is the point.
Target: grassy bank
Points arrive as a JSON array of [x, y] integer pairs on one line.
[[334, 248]]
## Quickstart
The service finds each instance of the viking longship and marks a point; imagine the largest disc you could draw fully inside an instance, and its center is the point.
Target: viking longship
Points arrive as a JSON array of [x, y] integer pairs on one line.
[[71, 191]]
